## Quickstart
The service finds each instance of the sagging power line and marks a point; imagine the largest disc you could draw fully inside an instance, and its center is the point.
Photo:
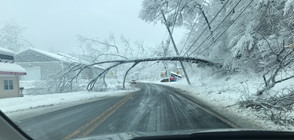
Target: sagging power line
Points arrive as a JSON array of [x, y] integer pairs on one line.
[[228, 27], [218, 26]]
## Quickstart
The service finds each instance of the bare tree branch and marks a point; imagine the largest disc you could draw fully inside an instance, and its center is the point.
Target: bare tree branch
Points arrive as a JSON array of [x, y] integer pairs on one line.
[[267, 43], [176, 58], [279, 81], [110, 54], [99, 42], [128, 72], [283, 59], [92, 83]]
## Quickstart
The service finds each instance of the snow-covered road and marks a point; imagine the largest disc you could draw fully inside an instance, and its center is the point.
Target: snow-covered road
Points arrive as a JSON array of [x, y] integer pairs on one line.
[[33, 105], [152, 109], [8, 105]]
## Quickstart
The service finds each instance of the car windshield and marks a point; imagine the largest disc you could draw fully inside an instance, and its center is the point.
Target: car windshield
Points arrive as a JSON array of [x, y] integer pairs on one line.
[[87, 68]]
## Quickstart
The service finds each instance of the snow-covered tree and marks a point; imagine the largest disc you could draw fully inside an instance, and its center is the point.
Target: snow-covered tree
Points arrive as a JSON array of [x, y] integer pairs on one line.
[[11, 38], [234, 33], [243, 35]]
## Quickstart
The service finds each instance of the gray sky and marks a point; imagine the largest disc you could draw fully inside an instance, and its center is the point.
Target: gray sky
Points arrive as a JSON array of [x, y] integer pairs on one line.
[[56, 23]]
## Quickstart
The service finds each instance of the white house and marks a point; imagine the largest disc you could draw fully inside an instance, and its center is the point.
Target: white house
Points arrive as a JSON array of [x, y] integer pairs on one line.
[[9, 75], [42, 65]]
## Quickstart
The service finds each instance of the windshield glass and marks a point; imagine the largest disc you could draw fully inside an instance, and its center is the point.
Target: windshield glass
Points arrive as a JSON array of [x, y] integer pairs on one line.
[[86, 68]]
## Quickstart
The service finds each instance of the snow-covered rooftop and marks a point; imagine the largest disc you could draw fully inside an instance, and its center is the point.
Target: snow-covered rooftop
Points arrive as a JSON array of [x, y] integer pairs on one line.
[[6, 51], [61, 57], [11, 69], [52, 55]]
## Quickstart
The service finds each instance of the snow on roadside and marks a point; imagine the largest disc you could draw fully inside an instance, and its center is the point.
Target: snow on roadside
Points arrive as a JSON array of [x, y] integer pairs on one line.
[[27, 102], [223, 93]]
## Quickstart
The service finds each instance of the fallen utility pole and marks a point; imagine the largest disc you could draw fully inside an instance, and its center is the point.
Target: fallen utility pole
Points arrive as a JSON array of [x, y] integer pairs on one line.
[[174, 44]]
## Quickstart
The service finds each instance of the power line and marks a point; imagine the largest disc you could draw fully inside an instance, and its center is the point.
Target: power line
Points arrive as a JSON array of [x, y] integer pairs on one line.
[[216, 27], [206, 27], [208, 37], [227, 15], [188, 37], [229, 26]]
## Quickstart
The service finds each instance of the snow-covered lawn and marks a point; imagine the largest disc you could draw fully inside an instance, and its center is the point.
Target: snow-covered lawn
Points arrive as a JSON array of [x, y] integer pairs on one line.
[[222, 94], [8, 105]]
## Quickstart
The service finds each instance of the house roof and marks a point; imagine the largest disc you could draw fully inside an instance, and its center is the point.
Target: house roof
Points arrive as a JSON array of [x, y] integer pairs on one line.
[[11, 69], [6, 51], [61, 57], [51, 55]]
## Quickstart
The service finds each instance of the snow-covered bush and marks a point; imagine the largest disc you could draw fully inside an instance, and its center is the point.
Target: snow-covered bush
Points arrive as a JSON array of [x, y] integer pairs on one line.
[[277, 107]]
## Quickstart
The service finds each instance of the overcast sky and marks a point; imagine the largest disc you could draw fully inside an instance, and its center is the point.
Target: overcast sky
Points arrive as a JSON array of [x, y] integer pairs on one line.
[[56, 23]]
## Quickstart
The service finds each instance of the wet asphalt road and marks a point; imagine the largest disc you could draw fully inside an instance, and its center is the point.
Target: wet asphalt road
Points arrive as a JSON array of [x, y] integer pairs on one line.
[[152, 109]]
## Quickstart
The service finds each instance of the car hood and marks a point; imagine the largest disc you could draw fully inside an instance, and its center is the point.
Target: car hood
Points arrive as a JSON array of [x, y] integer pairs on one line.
[[131, 135]]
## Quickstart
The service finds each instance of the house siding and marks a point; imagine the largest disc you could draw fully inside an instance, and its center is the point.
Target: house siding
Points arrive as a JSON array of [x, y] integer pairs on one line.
[[49, 66], [32, 56], [47, 69], [9, 93]]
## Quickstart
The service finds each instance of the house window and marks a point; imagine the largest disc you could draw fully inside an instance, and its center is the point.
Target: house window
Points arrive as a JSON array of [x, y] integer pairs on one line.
[[8, 84]]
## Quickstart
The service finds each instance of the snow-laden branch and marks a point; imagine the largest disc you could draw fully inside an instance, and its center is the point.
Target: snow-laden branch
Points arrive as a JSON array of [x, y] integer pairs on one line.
[[77, 69], [127, 73], [176, 58], [283, 59]]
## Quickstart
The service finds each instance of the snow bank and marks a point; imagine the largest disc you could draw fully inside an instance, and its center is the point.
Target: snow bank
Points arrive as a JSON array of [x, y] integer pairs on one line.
[[35, 101]]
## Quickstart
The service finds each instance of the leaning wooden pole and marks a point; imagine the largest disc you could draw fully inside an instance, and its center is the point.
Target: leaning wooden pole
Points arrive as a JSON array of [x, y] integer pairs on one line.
[[174, 44]]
